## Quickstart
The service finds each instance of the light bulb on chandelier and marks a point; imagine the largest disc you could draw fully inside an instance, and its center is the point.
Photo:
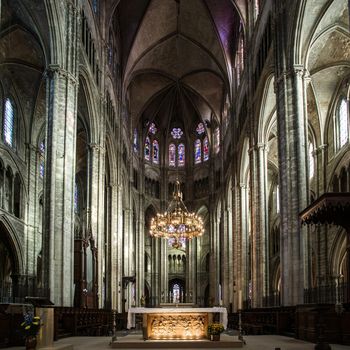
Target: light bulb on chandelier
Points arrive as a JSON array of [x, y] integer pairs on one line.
[[176, 222]]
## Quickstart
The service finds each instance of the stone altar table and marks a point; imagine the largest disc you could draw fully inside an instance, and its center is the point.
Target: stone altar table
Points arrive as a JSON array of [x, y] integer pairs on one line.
[[176, 323]]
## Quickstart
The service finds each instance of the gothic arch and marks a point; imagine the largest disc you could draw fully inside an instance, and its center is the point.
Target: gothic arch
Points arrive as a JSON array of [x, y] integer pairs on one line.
[[267, 110], [337, 252], [87, 105], [12, 242]]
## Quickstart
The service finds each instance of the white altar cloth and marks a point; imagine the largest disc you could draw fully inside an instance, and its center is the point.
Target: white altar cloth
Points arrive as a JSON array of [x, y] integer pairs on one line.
[[168, 310]]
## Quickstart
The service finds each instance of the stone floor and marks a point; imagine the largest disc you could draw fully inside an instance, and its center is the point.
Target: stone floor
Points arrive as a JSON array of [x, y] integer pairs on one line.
[[258, 342]]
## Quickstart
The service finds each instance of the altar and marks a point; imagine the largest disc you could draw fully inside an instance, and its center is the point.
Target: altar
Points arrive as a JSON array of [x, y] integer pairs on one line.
[[176, 323]]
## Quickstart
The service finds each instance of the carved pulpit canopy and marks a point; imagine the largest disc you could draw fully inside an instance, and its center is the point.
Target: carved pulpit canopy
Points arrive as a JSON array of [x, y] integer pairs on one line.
[[329, 209]]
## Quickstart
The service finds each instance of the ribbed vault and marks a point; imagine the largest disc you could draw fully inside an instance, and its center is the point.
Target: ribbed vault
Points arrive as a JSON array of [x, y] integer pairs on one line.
[[176, 59]]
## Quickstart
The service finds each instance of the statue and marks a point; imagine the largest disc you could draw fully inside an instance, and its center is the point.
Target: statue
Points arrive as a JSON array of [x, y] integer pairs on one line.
[[142, 300]]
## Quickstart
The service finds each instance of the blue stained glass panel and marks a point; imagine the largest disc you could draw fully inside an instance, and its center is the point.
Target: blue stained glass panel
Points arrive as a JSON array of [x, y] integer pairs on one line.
[[181, 154], [95, 5], [197, 151], [9, 121], [42, 159]]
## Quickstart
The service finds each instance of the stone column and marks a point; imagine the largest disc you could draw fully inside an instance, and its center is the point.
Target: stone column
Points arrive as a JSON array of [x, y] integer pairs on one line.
[[96, 199], [3, 189], [214, 268], [116, 247], [227, 258], [140, 257], [58, 232], [32, 231], [259, 212], [290, 87], [243, 246], [59, 185], [155, 271]]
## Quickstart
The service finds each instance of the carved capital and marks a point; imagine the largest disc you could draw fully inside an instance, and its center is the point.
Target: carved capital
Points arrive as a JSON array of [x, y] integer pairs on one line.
[[320, 149], [56, 71]]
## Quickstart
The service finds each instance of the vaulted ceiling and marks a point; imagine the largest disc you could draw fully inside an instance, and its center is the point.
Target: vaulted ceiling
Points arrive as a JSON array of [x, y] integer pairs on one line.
[[177, 58]]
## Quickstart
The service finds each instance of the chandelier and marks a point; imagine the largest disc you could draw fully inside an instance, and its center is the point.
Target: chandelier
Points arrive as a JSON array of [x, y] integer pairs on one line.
[[177, 222]]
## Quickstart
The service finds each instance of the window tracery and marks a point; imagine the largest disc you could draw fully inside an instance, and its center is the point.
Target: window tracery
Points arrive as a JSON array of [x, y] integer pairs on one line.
[[200, 129], [152, 129], [177, 133]]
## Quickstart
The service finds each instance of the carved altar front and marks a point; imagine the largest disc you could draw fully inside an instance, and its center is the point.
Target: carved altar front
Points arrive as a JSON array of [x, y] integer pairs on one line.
[[176, 325], [170, 323]]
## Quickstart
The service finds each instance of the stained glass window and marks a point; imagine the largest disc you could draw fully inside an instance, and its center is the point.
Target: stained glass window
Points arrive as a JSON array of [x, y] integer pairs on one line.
[[256, 8], [42, 159], [155, 154], [95, 5], [343, 123], [9, 122], [135, 141], [217, 140], [176, 293], [153, 129], [181, 241], [176, 133], [311, 161], [76, 198], [181, 154], [205, 149], [197, 151], [147, 149], [110, 49], [200, 129], [172, 154]]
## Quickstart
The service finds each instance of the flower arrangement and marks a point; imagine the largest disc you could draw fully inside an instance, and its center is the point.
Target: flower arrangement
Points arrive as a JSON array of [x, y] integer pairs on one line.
[[215, 328], [31, 325]]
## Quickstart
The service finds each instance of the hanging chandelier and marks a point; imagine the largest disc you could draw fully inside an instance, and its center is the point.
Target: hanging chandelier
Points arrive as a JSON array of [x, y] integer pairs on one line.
[[177, 222]]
